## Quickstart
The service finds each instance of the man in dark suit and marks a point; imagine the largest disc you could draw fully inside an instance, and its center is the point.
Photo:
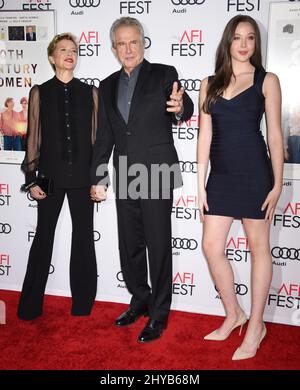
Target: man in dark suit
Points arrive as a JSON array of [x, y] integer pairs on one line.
[[30, 34], [138, 105]]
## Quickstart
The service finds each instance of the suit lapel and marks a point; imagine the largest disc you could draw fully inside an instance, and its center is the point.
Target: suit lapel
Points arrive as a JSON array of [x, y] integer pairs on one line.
[[138, 91]]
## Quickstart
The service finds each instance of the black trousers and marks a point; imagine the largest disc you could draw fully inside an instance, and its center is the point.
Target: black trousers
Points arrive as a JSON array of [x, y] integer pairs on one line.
[[146, 224], [83, 268]]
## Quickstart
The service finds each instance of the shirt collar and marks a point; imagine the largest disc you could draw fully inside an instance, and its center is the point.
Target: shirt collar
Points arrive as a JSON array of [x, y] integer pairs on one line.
[[62, 84], [134, 73]]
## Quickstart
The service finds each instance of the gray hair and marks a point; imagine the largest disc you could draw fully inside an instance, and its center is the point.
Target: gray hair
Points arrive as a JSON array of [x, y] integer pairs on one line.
[[126, 21]]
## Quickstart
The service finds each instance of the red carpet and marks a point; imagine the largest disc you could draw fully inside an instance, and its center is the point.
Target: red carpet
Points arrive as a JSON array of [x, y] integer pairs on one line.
[[59, 341]]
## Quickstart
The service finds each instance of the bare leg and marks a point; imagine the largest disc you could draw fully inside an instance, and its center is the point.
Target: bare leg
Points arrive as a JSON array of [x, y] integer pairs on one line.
[[257, 232], [216, 229]]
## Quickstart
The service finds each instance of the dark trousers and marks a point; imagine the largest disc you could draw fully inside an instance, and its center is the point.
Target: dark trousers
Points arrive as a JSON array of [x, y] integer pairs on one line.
[[146, 224], [83, 268]]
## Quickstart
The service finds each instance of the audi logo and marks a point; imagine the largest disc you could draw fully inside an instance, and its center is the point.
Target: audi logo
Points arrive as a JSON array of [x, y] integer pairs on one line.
[[97, 235], [91, 81], [188, 2], [51, 269], [190, 85], [1, 4], [30, 198], [5, 228], [188, 166], [84, 3], [147, 42], [240, 289], [120, 276], [285, 253], [184, 243]]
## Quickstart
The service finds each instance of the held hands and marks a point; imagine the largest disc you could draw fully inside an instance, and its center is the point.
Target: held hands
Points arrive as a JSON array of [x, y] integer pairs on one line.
[[270, 203], [176, 102], [98, 193], [37, 193], [202, 204]]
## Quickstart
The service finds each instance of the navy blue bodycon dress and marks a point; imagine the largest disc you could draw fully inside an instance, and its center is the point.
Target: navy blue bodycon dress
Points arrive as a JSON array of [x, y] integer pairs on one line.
[[241, 174]]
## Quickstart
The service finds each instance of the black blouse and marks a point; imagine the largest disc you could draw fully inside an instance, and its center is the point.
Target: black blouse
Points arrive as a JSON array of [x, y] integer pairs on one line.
[[62, 124]]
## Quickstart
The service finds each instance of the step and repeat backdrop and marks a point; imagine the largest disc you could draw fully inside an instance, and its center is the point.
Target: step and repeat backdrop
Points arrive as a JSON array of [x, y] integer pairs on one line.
[[184, 33]]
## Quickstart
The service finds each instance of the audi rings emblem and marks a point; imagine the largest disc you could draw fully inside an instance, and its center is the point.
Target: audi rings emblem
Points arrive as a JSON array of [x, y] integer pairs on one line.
[[188, 166], [120, 276], [5, 228], [184, 243], [188, 2], [240, 289], [84, 3], [190, 85], [285, 253], [30, 198], [97, 235], [147, 42], [90, 81], [1, 4]]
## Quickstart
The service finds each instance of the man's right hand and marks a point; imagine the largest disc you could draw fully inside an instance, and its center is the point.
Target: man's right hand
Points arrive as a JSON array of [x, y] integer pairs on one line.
[[37, 193], [98, 193]]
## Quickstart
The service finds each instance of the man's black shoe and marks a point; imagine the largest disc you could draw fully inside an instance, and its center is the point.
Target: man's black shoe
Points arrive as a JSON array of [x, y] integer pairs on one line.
[[152, 331], [130, 316]]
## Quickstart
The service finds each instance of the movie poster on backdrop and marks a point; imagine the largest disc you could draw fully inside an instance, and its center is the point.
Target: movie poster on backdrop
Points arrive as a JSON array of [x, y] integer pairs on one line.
[[24, 37], [284, 60]]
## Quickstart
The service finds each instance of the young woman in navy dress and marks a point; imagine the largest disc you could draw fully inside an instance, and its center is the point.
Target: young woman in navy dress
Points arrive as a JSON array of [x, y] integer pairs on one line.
[[244, 181]]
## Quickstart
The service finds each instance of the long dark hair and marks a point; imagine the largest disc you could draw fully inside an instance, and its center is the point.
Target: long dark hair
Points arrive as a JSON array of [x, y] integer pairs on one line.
[[223, 69]]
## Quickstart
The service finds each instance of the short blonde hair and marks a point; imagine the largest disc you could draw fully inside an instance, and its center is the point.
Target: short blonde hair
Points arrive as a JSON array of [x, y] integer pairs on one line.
[[59, 37]]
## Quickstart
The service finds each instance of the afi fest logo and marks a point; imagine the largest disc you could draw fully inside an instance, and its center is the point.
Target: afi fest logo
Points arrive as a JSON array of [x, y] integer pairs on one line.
[[37, 5], [286, 296], [190, 44], [135, 7], [89, 44], [4, 194], [187, 130], [243, 5], [237, 249], [186, 207], [183, 283], [290, 217], [4, 264], [2, 313]]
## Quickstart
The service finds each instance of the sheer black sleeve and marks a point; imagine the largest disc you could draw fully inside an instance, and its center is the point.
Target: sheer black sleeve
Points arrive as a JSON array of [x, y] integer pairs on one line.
[[31, 161]]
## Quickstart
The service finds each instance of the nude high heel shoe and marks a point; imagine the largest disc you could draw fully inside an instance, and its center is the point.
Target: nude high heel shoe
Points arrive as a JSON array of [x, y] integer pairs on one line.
[[215, 336], [239, 354]]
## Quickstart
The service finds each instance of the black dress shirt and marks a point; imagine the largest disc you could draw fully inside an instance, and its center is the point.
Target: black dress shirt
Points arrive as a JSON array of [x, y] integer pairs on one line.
[[62, 122], [125, 91]]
